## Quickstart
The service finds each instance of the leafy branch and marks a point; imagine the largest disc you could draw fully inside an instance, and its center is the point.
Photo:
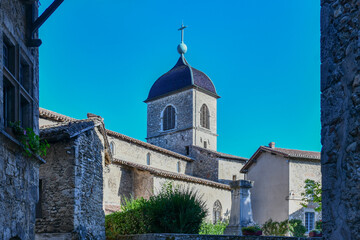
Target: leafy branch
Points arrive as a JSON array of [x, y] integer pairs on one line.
[[30, 140], [312, 194]]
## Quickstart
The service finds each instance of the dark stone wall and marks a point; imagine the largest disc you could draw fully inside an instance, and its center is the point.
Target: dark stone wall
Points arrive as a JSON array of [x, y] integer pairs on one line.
[[205, 165], [340, 111], [19, 176], [57, 195], [169, 236], [72, 181]]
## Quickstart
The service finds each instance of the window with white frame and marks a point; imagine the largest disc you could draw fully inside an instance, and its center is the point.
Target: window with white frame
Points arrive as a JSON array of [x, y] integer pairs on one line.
[[18, 101], [169, 118], [309, 221]]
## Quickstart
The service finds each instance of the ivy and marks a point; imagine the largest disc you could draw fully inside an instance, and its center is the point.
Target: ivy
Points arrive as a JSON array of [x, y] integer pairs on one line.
[[30, 140], [312, 194]]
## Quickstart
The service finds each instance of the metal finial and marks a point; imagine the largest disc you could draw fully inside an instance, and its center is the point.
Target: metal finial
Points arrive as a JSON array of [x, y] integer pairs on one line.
[[182, 48]]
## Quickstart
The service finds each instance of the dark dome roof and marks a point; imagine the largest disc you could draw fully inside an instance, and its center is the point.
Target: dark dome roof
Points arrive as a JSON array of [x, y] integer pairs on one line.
[[182, 75]]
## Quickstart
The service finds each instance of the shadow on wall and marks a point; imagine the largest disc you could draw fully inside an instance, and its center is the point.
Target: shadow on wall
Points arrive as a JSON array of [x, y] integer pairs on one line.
[[125, 184]]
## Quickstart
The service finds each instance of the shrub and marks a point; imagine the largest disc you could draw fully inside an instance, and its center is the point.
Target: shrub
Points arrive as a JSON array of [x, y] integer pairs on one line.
[[296, 228], [131, 220], [218, 228], [273, 228], [253, 229], [176, 210], [173, 210]]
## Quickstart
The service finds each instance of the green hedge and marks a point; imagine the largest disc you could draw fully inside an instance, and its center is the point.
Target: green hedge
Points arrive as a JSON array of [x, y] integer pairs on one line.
[[208, 228], [173, 210]]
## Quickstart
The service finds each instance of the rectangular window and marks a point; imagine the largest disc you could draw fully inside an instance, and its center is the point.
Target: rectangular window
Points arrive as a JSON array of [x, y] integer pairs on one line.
[[25, 76], [9, 56], [309, 221], [25, 113], [18, 102], [9, 102], [187, 149]]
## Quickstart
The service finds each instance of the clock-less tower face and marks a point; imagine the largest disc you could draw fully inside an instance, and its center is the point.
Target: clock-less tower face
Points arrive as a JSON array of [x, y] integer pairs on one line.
[[182, 110]]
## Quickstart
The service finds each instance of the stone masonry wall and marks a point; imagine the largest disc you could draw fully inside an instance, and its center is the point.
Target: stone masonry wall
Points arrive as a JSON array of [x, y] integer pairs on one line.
[[19, 178], [89, 217], [340, 111], [205, 164], [12, 26], [169, 236], [57, 195]]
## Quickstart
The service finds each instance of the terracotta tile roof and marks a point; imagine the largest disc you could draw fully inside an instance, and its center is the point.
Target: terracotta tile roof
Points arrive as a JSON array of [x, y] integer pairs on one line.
[[148, 145], [222, 155], [171, 175], [287, 153], [44, 113]]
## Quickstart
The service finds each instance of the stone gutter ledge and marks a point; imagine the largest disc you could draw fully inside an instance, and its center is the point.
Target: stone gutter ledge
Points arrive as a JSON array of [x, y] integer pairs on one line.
[[172, 236], [5, 134]]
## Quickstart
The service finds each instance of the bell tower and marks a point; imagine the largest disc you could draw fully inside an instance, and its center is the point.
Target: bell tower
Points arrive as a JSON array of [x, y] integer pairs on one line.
[[182, 108]]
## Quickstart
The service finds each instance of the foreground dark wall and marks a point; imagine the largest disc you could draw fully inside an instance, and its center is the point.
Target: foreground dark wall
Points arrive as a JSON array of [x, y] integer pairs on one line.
[[340, 118], [169, 236]]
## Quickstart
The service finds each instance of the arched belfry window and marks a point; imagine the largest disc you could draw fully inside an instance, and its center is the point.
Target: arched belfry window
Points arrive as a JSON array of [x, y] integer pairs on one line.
[[205, 117], [217, 211], [169, 118]]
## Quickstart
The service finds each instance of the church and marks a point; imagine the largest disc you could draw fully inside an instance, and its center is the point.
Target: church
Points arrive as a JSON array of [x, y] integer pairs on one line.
[[89, 169]]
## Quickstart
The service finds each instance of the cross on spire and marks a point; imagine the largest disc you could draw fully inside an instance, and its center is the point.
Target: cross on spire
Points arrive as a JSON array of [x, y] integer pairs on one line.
[[182, 31]]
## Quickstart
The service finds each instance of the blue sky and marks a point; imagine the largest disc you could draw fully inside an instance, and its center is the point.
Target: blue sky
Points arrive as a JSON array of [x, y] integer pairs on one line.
[[102, 56]]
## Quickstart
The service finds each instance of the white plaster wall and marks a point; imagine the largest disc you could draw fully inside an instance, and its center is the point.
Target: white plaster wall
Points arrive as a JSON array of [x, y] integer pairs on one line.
[[118, 183], [210, 195], [138, 154], [201, 133], [300, 170], [228, 168], [269, 195]]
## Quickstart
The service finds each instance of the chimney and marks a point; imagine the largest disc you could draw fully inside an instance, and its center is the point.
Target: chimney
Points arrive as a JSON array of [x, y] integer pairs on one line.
[[272, 145]]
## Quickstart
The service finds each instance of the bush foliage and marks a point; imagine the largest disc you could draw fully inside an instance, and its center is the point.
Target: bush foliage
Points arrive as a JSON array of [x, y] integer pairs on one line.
[[218, 228], [273, 228], [173, 210], [296, 228]]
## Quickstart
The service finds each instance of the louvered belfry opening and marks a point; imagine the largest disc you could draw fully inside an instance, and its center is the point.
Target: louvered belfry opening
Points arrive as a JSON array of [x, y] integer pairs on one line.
[[169, 118], [205, 117]]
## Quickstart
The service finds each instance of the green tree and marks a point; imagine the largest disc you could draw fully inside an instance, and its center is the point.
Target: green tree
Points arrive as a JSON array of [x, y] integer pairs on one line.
[[312, 194]]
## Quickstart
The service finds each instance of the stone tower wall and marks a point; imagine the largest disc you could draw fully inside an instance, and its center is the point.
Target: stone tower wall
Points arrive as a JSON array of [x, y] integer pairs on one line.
[[202, 134], [340, 111], [175, 139]]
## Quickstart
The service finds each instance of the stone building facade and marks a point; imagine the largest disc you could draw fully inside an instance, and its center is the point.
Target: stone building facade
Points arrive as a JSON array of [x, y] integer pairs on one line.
[[340, 101], [71, 192], [19, 100], [279, 178], [139, 169]]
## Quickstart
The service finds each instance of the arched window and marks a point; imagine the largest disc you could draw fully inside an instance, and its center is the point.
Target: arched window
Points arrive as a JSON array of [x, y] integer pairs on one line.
[[205, 117], [112, 148], [178, 167], [169, 118], [148, 158], [217, 211]]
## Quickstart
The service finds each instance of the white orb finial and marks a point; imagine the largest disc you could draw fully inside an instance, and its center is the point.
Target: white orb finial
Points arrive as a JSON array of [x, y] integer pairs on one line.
[[182, 48]]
